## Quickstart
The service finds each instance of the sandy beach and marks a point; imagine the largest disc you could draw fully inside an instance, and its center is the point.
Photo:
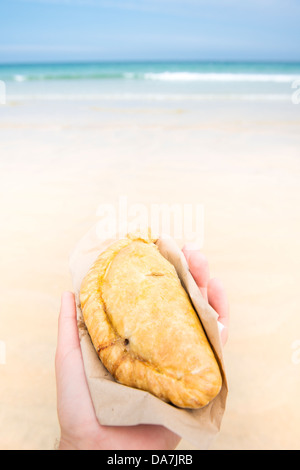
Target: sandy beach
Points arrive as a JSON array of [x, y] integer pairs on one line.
[[61, 159]]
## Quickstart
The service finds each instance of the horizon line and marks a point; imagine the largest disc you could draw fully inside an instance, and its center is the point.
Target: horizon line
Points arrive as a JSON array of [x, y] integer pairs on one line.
[[151, 61]]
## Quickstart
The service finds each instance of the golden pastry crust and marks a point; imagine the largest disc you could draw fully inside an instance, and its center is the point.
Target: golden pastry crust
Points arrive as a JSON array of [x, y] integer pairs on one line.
[[144, 327]]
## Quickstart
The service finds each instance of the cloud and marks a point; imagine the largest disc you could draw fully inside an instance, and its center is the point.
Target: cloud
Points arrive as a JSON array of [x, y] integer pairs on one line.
[[198, 8], [24, 48], [185, 8], [162, 6], [131, 4]]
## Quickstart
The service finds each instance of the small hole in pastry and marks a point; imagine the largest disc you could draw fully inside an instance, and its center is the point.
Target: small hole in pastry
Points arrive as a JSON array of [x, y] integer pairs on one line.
[[155, 274], [126, 342]]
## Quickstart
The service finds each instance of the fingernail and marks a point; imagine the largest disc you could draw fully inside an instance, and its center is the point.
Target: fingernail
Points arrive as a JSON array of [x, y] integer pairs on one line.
[[165, 236], [192, 247], [221, 326]]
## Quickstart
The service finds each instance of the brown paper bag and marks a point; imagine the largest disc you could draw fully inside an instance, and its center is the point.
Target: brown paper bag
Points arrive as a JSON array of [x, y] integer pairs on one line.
[[119, 405]]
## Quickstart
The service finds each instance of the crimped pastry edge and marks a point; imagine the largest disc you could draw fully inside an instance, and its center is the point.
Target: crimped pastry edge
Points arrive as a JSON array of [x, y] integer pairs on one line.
[[116, 356]]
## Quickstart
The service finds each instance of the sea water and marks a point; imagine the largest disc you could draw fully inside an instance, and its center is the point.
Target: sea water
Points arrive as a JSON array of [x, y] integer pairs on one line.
[[151, 81]]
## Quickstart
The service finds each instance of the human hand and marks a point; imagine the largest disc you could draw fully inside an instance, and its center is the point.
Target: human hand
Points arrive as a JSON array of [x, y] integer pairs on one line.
[[211, 289], [80, 428]]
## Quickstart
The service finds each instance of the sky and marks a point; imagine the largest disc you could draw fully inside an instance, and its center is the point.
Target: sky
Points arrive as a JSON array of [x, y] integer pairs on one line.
[[94, 30]]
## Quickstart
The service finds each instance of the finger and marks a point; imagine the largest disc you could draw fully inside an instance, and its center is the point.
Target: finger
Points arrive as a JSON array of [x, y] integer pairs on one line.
[[198, 266], [72, 389], [68, 337], [217, 298]]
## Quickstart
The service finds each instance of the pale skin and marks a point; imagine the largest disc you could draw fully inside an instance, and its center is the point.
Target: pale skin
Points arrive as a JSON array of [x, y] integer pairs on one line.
[[80, 429]]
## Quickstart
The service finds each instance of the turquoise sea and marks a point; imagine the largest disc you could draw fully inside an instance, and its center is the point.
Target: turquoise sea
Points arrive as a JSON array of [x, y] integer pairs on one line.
[[151, 81]]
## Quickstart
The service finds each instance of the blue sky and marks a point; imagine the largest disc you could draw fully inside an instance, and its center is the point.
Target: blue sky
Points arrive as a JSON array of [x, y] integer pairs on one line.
[[60, 30]]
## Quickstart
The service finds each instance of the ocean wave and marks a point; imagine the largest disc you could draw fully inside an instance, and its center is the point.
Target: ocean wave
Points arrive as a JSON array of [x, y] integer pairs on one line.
[[67, 76], [161, 76], [19, 78], [220, 77], [148, 97]]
